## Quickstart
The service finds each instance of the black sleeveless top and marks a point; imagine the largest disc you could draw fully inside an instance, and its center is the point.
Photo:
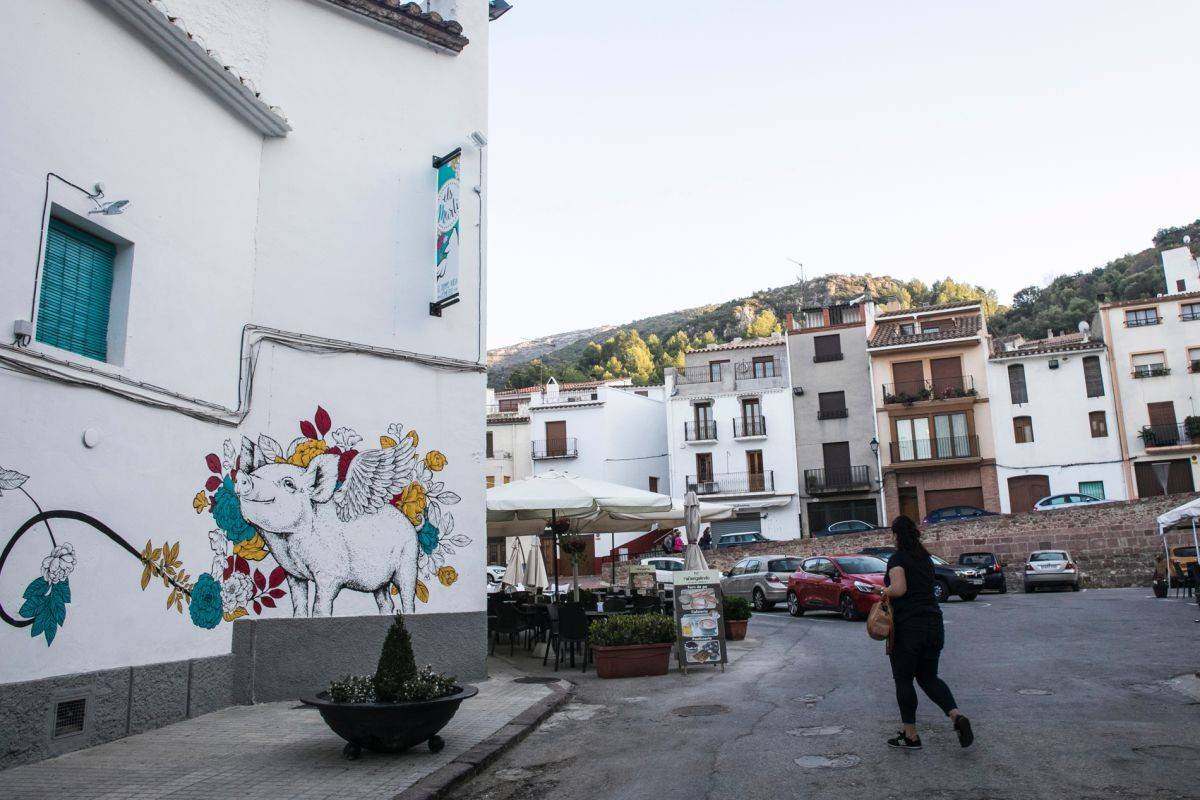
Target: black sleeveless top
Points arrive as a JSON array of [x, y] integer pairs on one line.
[[918, 600]]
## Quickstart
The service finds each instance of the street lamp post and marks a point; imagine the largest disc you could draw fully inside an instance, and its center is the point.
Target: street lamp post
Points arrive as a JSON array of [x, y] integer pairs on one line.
[[879, 478]]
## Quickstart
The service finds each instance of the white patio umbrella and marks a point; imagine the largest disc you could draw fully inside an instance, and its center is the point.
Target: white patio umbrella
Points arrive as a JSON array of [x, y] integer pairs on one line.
[[554, 496], [514, 568], [1188, 512], [693, 556], [535, 569]]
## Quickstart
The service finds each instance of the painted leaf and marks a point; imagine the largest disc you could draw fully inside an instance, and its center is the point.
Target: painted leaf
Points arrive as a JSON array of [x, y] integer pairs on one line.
[[214, 463], [276, 593], [278, 575], [212, 484], [36, 589], [241, 565], [459, 540], [308, 430], [386, 441], [228, 569], [422, 592], [171, 597], [260, 580], [257, 608], [270, 448], [322, 420], [267, 601], [11, 479], [235, 614], [61, 592], [449, 498], [145, 581], [31, 607]]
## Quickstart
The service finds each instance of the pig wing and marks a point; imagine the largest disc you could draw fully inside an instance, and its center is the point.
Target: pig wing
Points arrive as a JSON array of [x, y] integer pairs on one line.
[[373, 479]]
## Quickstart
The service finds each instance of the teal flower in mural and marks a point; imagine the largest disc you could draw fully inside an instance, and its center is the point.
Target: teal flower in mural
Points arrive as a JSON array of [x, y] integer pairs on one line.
[[227, 511], [205, 608], [427, 537], [46, 604]]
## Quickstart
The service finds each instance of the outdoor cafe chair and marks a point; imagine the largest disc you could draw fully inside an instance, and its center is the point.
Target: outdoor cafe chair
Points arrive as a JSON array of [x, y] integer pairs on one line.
[[643, 604], [614, 603], [571, 629], [1184, 582], [510, 623]]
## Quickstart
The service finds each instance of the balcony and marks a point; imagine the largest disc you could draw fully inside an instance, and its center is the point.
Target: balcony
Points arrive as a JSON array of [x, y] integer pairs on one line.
[[733, 483], [554, 448], [749, 427], [953, 387], [837, 479], [705, 373], [496, 410], [758, 370], [824, 357], [940, 449], [1151, 371], [832, 413], [1174, 435], [1141, 321], [702, 431]]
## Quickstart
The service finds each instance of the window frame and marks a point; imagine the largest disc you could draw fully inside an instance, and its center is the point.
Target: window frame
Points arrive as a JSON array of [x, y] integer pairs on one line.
[[1142, 317], [1018, 391], [1017, 428], [1103, 418], [1088, 383]]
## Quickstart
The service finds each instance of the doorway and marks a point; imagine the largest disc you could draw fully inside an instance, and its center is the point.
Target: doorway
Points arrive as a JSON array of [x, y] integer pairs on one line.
[[910, 505], [1025, 490]]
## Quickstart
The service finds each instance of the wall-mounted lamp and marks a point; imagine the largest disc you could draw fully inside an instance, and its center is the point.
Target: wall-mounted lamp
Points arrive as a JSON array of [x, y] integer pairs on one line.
[[109, 209], [874, 446]]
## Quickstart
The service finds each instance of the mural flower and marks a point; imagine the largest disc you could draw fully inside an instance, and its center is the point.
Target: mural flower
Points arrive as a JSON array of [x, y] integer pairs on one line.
[[200, 502], [57, 566], [386, 441], [236, 591], [227, 511], [412, 502], [205, 609], [346, 438], [447, 575], [427, 538], [306, 451], [252, 549], [435, 460]]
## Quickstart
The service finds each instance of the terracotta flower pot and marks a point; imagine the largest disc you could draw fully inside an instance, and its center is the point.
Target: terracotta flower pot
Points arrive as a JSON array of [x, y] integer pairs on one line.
[[735, 629], [633, 661]]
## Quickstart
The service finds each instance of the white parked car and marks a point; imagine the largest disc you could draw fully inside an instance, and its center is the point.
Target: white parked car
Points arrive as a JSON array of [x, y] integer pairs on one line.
[[664, 566], [1051, 568], [496, 573], [1068, 500]]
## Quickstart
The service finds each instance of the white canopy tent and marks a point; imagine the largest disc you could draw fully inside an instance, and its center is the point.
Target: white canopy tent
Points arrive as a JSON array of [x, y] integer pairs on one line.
[[1179, 517]]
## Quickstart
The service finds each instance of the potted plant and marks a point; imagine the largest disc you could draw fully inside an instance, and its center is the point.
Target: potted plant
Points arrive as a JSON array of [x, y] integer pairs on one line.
[[632, 646], [574, 546], [397, 707], [736, 611], [1191, 425]]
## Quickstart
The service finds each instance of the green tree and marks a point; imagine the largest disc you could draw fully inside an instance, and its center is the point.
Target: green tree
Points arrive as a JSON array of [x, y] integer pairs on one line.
[[396, 662], [764, 325]]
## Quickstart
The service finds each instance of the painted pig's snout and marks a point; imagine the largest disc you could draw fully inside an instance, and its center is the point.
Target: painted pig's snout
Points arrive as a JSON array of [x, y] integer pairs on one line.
[[244, 487]]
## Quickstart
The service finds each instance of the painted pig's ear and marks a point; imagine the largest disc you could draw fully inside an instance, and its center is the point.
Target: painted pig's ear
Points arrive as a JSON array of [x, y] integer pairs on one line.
[[321, 478]]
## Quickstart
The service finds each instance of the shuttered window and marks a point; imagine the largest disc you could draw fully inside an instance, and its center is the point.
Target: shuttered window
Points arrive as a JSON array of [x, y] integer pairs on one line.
[[827, 348], [76, 290], [1016, 384], [1092, 377], [1099, 424], [1023, 430]]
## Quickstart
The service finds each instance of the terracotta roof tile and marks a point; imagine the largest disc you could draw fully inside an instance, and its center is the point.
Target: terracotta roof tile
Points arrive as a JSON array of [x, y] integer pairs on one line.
[[741, 344], [908, 312], [888, 334], [411, 19]]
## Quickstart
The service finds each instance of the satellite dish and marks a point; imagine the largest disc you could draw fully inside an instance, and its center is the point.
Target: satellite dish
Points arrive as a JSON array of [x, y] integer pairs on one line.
[[1084, 327]]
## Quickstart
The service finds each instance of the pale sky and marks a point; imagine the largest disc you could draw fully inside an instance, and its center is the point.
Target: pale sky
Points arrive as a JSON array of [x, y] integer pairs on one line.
[[653, 156]]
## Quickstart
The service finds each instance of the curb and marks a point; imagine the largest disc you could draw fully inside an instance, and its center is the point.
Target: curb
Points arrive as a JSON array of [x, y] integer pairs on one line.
[[438, 783]]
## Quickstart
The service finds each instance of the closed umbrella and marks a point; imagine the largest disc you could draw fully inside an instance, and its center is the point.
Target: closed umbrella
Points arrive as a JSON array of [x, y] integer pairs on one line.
[[535, 569], [693, 556], [514, 568]]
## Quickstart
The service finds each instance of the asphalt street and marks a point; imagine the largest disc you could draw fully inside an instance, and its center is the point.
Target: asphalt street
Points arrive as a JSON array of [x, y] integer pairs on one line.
[[1081, 695]]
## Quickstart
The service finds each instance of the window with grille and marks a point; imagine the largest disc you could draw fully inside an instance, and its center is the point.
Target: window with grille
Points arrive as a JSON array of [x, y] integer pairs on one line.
[[1092, 489], [1148, 365], [1092, 378], [1099, 424], [831, 405], [69, 717], [1136, 317], [1189, 312], [827, 348], [1023, 429], [76, 291], [1016, 384]]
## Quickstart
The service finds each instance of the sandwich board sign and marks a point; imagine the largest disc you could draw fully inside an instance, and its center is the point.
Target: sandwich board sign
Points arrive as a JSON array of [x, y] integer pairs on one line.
[[699, 618]]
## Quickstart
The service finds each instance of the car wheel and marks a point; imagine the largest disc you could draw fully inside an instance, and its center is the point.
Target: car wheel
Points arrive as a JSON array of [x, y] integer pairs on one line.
[[969, 597], [847, 609], [760, 601], [1028, 589], [941, 592], [793, 604]]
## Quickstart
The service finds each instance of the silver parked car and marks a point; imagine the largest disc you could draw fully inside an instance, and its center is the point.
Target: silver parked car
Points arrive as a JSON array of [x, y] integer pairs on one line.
[[1051, 568], [760, 579]]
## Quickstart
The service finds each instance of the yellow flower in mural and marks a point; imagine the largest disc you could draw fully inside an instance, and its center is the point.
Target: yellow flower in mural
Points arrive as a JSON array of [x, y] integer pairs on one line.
[[435, 460], [200, 502], [232, 615], [306, 451], [416, 440], [386, 441], [447, 575], [422, 592], [412, 502], [252, 549]]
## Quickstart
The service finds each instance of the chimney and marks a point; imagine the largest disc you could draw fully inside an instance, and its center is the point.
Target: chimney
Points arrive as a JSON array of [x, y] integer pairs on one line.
[[791, 322]]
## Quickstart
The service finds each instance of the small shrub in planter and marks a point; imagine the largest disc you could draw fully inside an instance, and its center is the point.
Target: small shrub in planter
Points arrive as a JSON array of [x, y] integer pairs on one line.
[[1191, 425], [736, 611], [632, 646], [397, 707]]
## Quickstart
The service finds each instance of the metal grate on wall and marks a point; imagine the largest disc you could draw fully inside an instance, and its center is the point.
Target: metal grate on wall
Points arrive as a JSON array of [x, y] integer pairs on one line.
[[69, 716]]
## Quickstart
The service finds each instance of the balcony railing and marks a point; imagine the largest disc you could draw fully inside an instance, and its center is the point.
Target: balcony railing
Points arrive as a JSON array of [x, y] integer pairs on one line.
[[733, 483], [754, 370], [496, 410], [702, 431], [832, 413], [554, 448], [1169, 435], [943, 447], [744, 427], [837, 479], [948, 388], [1139, 322], [820, 358], [1151, 371], [1189, 314], [702, 374]]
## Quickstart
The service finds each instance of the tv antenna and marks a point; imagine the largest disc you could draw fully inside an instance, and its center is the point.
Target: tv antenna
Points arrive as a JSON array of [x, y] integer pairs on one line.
[[803, 280]]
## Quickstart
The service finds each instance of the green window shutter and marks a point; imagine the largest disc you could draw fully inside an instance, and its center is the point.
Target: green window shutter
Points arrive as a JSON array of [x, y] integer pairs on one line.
[[1093, 488], [76, 290]]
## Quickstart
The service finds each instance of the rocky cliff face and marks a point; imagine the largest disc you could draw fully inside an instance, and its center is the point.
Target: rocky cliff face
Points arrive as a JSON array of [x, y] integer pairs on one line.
[[523, 352]]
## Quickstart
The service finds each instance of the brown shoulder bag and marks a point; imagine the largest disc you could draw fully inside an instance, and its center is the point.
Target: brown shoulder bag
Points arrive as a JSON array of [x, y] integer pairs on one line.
[[879, 621]]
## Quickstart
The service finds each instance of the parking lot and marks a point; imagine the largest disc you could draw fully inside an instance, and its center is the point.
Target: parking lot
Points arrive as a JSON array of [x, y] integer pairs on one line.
[[1083, 695]]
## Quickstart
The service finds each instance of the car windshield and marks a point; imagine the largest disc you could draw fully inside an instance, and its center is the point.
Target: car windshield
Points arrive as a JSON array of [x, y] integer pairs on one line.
[[1049, 555], [862, 565], [938, 560], [783, 565], [1184, 552], [977, 559]]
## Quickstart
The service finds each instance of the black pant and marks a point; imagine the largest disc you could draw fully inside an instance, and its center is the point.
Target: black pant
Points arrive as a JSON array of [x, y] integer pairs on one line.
[[915, 654]]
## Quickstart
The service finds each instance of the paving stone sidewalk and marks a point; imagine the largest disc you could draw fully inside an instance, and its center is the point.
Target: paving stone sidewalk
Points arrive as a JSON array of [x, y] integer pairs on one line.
[[283, 751]]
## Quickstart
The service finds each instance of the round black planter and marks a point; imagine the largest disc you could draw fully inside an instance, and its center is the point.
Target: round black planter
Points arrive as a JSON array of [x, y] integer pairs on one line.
[[389, 727]]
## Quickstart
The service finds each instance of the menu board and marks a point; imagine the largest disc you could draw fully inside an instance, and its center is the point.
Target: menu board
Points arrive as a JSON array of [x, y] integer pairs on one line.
[[641, 577], [699, 618]]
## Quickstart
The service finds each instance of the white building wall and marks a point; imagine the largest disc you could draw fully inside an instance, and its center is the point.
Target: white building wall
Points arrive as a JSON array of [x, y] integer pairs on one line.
[[1063, 448]]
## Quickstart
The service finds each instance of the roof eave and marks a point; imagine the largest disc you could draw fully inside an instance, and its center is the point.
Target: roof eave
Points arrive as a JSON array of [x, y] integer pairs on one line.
[[930, 343]]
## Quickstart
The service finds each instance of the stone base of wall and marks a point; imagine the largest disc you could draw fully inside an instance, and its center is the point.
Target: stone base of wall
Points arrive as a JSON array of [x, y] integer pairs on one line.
[[118, 702]]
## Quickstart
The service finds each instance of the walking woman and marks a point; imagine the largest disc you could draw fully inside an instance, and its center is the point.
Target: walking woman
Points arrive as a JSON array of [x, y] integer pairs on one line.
[[919, 635]]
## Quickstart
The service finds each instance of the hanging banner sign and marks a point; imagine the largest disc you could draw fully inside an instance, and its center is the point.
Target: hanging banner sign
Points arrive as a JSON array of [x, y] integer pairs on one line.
[[699, 618], [449, 238]]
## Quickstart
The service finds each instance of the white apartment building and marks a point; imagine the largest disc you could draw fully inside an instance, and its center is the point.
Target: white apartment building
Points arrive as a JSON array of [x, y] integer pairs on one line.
[[731, 436], [1054, 419], [1154, 356], [224, 230]]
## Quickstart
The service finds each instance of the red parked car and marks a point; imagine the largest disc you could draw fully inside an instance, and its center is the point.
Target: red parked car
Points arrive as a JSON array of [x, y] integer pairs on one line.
[[848, 584]]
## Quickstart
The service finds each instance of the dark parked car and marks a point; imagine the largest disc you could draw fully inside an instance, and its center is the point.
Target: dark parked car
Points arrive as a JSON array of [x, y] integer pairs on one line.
[[740, 539], [949, 579], [955, 514], [846, 526], [993, 570]]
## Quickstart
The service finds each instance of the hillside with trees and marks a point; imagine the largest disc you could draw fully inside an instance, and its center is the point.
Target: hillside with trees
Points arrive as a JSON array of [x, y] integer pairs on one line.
[[642, 349]]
